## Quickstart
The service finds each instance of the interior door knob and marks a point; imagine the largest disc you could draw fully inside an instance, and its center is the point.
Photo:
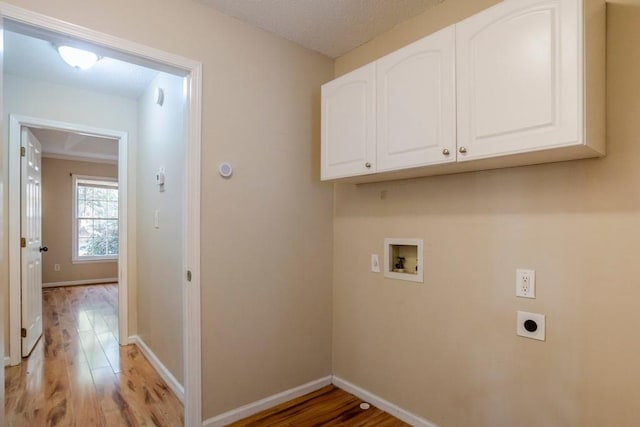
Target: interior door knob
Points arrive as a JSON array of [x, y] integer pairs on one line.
[[44, 249]]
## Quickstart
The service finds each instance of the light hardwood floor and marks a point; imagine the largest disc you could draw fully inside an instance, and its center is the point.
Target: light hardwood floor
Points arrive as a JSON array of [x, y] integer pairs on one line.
[[78, 375], [329, 406]]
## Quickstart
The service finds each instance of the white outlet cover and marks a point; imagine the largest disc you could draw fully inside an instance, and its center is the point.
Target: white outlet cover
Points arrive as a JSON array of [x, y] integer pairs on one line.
[[375, 263], [520, 292], [539, 333]]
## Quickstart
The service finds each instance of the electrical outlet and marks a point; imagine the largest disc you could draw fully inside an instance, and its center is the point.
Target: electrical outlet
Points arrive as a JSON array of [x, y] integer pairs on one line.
[[56, 267], [375, 263], [525, 283], [531, 325]]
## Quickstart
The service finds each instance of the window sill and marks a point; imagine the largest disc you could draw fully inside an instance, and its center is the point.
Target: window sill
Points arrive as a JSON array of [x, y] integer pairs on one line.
[[93, 260]]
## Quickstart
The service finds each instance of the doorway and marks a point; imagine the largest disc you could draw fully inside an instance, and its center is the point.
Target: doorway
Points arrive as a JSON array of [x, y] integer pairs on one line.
[[191, 70], [17, 124]]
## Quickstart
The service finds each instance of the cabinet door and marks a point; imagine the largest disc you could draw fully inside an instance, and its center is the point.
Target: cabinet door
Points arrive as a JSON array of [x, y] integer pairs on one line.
[[348, 124], [519, 78], [416, 104]]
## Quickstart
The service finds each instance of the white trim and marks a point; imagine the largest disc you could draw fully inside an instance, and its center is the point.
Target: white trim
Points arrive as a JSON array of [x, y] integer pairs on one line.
[[79, 158], [16, 122], [193, 72], [191, 290], [81, 282], [162, 370], [96, 260], [7, 361], [266, 403], [13, 210], [380, 403], [123, 239], [147, 56]]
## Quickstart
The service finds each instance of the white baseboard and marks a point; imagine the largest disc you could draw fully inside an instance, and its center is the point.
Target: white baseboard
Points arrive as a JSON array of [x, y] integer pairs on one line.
[[164, 373], [80, 282], [380, 403], [7, 361], [266, 403]]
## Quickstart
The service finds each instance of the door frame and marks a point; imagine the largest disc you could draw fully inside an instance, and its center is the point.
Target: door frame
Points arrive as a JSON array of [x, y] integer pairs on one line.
[[193, 119], [16, 123]]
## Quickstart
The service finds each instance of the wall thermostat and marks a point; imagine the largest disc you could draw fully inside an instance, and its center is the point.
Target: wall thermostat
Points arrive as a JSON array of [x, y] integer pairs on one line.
[[225, 170]]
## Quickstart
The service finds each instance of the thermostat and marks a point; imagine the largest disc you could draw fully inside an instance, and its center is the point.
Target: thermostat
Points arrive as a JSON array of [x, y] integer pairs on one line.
[[225, 170]]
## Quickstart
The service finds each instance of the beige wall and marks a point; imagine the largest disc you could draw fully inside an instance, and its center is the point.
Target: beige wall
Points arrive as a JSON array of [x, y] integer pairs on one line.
[[266, 233], [57, 211], [447, 350], [160, 250]]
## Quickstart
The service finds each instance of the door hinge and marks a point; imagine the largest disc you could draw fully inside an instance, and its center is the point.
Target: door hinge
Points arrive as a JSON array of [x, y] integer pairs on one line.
[[23, 242], [23, 152], [188, 275], [23, 332]]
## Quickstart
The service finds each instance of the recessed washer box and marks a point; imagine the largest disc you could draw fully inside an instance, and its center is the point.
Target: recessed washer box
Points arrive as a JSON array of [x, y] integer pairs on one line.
[[403, 259]]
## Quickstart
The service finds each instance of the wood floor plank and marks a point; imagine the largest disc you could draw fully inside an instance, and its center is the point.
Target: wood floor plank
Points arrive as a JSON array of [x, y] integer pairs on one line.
[[74, 375], [328, 406], [57, 394], [82, 396]]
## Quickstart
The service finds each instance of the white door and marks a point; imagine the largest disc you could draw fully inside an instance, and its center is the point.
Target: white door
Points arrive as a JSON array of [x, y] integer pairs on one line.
[[518, 74], [349, 124], [416, 104], [31, 232]]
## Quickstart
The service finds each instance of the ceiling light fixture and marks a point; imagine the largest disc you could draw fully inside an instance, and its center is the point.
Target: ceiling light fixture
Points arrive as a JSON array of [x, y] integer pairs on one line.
[[78, 58]]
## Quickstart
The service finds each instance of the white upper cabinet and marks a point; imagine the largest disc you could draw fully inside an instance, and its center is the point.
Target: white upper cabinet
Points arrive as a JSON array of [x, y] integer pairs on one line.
[[519, 74], [349, 124], [416, 104], [520, 83]]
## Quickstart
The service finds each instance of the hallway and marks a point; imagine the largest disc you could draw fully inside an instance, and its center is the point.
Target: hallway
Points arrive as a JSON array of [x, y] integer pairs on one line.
[[78, 375]]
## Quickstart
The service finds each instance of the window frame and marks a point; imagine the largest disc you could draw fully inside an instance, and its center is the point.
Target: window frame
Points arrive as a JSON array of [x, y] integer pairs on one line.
[[75, 258]]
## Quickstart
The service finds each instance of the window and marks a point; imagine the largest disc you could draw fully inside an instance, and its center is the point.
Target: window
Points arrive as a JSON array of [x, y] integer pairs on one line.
[[95, 219]]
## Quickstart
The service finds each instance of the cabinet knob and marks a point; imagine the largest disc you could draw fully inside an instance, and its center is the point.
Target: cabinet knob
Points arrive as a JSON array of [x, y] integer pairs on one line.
[[367, 165], [445, 151], [462, 150]]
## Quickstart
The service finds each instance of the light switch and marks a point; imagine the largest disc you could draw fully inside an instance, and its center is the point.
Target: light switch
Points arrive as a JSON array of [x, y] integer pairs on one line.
[[375, 263], [156, 219]]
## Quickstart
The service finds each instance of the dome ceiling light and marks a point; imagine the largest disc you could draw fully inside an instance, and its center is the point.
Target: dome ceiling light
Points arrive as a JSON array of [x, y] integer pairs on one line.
[[78, 58]]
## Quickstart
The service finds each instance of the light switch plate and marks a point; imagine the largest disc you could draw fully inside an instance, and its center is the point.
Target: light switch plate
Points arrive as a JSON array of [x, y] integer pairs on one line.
[[375, 263]]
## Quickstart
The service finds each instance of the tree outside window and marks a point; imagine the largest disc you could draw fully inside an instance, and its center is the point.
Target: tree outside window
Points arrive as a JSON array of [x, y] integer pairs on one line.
[[95, 218]]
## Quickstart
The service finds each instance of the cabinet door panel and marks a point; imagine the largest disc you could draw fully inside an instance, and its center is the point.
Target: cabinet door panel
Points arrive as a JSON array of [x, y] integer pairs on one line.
[[518, 78], [416, 104], [348, 124]]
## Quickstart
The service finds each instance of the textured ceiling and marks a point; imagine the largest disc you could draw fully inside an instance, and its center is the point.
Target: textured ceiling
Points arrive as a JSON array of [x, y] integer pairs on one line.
[[331, 27]]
